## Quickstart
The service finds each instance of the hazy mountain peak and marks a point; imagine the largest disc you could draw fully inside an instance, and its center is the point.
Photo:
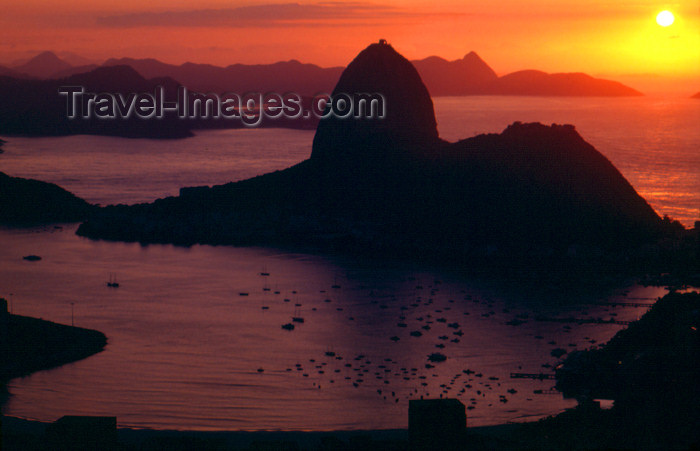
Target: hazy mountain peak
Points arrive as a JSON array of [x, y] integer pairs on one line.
[[43, 65]]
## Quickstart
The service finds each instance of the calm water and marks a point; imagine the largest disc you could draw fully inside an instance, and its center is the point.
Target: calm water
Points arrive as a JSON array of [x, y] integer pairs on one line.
[[185, 348]]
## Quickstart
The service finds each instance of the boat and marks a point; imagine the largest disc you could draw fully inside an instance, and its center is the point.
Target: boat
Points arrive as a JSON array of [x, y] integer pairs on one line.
[[113, 281], [297, 318]]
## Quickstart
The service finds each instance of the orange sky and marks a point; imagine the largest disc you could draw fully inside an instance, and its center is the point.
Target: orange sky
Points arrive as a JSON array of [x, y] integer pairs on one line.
[[619, 40]]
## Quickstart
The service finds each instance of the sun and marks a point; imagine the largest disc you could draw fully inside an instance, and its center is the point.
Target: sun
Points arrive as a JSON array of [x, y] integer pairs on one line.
[[665, 18]]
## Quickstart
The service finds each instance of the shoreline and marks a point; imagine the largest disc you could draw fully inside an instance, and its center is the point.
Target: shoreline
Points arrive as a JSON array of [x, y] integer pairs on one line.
[[30, 344]]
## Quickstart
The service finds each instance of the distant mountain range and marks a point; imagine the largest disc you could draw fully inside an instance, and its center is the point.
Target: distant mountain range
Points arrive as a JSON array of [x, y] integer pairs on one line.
[[467, 76], [44, 65], [33, 107], [696, 96]]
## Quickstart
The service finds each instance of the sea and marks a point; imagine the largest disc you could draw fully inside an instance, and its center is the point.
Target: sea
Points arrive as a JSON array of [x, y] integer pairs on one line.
[[195, 337]]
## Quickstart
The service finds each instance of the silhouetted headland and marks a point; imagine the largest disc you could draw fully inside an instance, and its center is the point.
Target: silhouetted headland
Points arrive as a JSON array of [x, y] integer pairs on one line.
[[650, 369], [31, 202], [393, 187], [29, 344], [538, 83]]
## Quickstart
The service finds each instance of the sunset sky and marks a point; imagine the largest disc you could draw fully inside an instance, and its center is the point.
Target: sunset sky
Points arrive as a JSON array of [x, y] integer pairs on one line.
[[619, 40]]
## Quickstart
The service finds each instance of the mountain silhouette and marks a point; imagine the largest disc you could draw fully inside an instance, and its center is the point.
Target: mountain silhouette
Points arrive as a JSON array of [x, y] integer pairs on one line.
[[35, 108], [32, 107], [470, 75], [409, 122], [537, 83], [396, 188], [696, 96], [284, 76], [74, 70], [467, 76], [27, 201], [44, 65], [7, 72]]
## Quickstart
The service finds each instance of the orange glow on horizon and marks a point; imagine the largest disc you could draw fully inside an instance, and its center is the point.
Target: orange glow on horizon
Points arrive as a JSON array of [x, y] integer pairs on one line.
[[591, 36]]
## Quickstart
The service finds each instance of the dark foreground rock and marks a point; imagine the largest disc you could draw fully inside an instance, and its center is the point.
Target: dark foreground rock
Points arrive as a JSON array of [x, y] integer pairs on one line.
[[34, 344], [28, 202], [29, 344], [651, 370]]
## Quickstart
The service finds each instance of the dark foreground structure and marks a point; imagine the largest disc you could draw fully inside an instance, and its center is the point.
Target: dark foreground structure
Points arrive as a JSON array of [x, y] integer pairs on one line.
[[436, 424], [82, 433], [29, 202], [30, 344]]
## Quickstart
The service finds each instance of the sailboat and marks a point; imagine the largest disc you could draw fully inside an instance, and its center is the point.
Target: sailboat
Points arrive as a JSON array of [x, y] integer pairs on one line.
[[112, 281], [297, 318]]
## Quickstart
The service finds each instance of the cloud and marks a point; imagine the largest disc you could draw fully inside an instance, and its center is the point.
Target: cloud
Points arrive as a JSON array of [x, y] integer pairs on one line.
[[267, 15]]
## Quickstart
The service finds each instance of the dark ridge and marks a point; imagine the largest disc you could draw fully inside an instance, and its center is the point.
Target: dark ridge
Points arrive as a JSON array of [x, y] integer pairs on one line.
[[7, 72], [651, 370], [30, 344], [281, 77], [696, 96], [470, 75], [27, 202], [537, 83], [44, 65], [35, 108], [73, 71], [467, 76]]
